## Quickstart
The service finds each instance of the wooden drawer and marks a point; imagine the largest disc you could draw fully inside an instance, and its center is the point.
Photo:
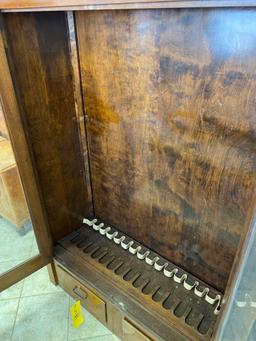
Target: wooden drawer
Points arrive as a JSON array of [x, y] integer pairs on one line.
[[132, 333], [89, 300]]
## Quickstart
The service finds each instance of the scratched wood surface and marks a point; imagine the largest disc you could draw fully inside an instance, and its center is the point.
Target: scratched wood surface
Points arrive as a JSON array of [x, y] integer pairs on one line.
[[171, 105], [39, 55]]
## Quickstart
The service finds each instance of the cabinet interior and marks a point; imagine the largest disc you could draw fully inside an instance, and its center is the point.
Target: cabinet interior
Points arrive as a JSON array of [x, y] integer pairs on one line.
[[144, 119]]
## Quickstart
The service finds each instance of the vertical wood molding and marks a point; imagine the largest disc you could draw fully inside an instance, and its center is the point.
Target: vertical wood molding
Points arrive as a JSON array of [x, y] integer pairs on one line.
[[79, 107], [42, 74]]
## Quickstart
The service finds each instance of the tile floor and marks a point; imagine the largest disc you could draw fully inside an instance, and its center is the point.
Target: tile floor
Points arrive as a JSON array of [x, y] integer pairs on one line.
[[34, 309]]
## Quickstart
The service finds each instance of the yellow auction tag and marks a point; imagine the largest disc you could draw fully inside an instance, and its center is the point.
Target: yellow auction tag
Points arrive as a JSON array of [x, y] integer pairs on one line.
[[76, 314]]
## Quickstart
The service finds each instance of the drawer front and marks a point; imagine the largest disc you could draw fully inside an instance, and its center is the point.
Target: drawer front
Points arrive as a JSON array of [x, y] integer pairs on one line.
[[78, 291], [132, 333]]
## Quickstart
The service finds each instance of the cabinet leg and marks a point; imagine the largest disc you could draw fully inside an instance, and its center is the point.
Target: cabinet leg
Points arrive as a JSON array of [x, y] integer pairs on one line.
[[52, 273], [21, 230]]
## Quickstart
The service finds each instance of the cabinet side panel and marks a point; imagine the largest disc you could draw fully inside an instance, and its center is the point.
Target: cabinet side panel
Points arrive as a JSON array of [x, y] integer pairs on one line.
[[170, 98], [41, 69]]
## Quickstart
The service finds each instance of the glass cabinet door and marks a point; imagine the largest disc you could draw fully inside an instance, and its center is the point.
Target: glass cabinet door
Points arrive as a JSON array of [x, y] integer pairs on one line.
[[20, 200], [240, 321], [17, 238]]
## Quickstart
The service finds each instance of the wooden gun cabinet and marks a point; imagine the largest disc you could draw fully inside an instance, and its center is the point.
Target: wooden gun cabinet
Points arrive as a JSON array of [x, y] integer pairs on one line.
[[133, 125]]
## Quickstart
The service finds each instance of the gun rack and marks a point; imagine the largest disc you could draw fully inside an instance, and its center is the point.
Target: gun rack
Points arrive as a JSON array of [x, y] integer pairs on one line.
[[178, 297]]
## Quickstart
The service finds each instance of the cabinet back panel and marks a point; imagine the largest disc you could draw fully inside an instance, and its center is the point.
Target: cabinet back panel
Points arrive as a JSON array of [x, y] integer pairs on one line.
[[171, 105], [41, 68]]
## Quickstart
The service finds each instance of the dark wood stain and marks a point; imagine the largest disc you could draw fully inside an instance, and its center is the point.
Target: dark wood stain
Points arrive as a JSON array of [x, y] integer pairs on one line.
[[38, 49], [159, 294], [170, 99]]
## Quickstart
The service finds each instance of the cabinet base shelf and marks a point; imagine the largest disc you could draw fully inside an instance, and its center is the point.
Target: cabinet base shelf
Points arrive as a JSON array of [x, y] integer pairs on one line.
[[163, 308]]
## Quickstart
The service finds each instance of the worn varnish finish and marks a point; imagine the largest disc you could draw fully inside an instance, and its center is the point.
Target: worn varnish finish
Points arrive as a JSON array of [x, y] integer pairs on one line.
[[181, 308], [80, 112], [39, 55], [140, 308], [37, 5], [170, 99]]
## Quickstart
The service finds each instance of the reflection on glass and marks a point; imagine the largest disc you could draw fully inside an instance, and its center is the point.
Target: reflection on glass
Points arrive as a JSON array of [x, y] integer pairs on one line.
[[240, 324], [17, 240]]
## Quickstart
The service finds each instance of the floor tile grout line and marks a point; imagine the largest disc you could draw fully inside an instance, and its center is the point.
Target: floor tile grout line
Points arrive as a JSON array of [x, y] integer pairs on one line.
[[13, 260], [22, 259], [15, 319], [10, 298], [33, 295], [42, 294], [14, 323], [31, 249], [92, 337], [22, 287]]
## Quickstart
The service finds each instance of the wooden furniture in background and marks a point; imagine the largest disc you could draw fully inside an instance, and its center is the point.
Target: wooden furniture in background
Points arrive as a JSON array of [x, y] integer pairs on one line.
[[145, 119], [13, 205], [3, 128]]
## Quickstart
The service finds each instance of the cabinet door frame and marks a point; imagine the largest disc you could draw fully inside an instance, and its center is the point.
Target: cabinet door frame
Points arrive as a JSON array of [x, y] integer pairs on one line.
[[29, 179], [24, 160]]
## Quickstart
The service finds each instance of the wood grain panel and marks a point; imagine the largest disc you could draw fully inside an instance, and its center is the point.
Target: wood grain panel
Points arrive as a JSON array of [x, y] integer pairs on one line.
[[170, 99], [39, 54], [28, 5]]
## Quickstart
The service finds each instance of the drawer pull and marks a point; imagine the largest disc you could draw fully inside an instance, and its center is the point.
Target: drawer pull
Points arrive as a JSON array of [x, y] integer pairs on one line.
[[84, 294]]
